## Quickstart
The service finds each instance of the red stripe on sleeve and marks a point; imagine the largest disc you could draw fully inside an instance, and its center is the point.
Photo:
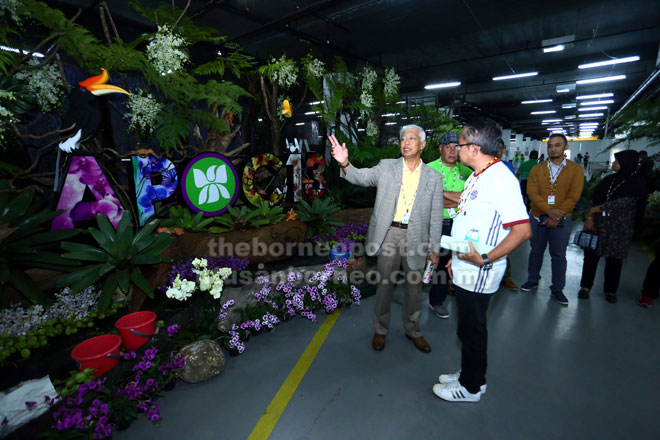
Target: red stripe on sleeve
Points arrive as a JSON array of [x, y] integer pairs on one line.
[[517, 222]]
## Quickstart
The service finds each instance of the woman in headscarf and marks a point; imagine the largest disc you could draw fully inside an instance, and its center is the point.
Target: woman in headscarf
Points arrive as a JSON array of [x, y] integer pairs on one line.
[[611, 215]]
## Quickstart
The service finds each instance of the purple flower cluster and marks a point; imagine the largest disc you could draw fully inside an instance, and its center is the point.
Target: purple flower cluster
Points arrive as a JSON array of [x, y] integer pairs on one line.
[[94, 417], [223, 314], [343, 237], [327, 288], [173, 330], [184, 268]]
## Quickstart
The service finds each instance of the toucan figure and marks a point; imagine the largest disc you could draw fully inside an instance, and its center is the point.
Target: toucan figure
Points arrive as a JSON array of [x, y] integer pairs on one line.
[[84, 110]]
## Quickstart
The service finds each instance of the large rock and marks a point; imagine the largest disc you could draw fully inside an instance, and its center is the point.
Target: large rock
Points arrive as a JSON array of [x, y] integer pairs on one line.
[[204, 360]]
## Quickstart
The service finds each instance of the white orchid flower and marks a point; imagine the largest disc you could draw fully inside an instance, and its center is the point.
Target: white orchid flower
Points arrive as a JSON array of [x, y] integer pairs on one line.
[[211, 183]]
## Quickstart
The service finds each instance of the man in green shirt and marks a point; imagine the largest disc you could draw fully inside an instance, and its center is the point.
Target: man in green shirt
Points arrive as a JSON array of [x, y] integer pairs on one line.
[[454, 175], [523, 174]]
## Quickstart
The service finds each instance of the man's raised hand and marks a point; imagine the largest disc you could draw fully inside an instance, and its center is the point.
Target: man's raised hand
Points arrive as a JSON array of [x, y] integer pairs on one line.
[[339, 152]]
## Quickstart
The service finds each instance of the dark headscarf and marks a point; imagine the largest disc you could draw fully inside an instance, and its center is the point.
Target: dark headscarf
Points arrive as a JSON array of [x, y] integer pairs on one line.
[[624, 183]]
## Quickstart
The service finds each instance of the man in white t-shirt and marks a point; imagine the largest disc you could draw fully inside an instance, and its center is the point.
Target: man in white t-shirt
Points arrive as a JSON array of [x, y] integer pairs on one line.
[[492, 218]]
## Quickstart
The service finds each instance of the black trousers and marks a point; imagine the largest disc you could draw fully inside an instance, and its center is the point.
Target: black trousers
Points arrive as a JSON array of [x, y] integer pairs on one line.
[[440, 287], [612, 272], [473, 334], [651, 287]]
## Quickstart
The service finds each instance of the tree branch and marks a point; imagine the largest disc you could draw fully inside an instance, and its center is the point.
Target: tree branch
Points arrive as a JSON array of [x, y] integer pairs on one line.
[[42, 136], [266, 101], [112, 22], [181, 16]]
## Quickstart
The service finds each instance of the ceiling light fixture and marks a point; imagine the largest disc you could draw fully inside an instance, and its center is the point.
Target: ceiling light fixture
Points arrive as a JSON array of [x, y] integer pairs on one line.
[[588, 109], [442, 85], [571, 105], [598, 95], [24, 52], [390, 123], [401, 102], [310, 113], [536, 101], [569, 117], [544, 112], [547, 121], [609, 62], [316, 102], [600, 80], [606, 101], [517, 75], [591, 115], [300, 123], [557, 48]]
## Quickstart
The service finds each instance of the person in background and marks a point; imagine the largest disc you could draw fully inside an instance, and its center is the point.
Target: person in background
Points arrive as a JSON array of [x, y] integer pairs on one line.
[[491, 215], [612, 215], [523, 174], [454, 175], [542, 158], [553, 187], [404, 230], [585, 161], [578, 159]]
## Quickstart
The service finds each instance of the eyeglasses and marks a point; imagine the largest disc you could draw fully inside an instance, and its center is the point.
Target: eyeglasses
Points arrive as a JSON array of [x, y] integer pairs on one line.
[[459, 146]]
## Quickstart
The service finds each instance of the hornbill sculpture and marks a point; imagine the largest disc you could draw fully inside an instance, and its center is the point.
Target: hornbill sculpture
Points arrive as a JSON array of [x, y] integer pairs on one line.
[[84, 111]]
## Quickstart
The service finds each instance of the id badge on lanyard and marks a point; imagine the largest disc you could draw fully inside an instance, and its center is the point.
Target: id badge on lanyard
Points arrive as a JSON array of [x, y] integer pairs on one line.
[[451, 212], [406, 217], [551, 199]]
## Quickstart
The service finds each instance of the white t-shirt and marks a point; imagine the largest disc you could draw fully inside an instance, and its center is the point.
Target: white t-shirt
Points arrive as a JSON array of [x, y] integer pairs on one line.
[[490, 205]]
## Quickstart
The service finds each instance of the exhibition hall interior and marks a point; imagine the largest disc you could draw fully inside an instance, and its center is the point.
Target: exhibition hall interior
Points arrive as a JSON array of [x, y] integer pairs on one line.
[[347, 219]]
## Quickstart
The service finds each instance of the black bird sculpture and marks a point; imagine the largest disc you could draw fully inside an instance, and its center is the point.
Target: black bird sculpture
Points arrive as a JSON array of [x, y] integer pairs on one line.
[[84, 110]]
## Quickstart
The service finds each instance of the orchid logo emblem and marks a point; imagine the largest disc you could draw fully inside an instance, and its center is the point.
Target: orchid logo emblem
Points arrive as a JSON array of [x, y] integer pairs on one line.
[[211, 183]]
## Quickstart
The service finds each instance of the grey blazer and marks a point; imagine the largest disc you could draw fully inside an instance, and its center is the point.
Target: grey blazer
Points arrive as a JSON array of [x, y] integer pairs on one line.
[[425, 225]]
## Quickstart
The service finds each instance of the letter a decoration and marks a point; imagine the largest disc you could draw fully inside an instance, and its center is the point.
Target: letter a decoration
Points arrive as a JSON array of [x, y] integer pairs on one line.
[[86, 193], [209, 184]]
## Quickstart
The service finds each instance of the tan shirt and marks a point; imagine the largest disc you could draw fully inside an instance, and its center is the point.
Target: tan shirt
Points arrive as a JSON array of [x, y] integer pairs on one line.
[[568, 188], [409, 184]]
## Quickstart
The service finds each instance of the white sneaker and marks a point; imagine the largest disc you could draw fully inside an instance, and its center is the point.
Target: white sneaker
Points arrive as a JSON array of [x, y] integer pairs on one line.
[[455, 392], [453, 377]]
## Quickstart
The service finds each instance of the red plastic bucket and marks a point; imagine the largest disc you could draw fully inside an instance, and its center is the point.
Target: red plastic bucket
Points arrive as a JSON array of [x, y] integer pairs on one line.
[[136, 328], [100, 353]]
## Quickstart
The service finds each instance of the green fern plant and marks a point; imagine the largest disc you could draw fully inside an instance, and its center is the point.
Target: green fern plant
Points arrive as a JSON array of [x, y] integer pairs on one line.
[[181, 217], [318, 216]]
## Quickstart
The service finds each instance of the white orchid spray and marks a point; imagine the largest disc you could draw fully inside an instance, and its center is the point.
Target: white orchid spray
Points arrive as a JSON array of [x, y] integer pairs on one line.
[[211, 281], [391, 83], [285, 73]]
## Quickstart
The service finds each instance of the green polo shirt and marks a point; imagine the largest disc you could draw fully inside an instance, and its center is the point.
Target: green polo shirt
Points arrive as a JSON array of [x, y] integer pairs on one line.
[[453, 179], [526, 167]]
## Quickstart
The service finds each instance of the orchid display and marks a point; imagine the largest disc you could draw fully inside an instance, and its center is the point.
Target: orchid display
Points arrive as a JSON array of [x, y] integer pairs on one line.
[[185, 270], [211, 280], [343, 237]]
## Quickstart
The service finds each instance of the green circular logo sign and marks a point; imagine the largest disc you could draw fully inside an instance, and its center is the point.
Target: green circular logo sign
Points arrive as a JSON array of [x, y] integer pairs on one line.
[[209, 184]]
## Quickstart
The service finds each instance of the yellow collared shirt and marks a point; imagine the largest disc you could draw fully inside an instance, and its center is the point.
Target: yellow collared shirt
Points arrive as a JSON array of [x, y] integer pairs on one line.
[[409, 184]]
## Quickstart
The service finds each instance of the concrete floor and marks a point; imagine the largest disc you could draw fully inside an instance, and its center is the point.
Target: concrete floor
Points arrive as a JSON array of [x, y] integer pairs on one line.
[[586, 371]]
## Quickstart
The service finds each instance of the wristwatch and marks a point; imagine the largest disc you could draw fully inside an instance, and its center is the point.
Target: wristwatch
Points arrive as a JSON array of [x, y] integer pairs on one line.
[[487, 263]]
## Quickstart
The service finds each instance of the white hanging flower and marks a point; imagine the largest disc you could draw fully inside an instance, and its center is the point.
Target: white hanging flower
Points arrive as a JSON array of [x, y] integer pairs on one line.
[[372, 128], [10, 8], [144, 110], [369, 77], [315, 67], [45, 83], [366, 99], [199, 263], [6, 115], [286, 73], [166, 51], [211, 184], [391, 83]]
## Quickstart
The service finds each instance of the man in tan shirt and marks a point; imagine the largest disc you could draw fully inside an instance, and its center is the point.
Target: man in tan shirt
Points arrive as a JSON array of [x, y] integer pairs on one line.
[[554, 187]]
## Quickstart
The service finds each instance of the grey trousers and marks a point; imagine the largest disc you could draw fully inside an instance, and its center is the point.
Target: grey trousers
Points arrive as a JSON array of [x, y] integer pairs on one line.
[[390, 259]]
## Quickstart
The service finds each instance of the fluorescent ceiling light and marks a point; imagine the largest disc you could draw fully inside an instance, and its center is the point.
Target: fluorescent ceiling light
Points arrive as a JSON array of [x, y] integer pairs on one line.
[[589, 124], [517, 75], [557, 48], [569, 117], [24, 52], [606, 101], [571, 105], [600, 80], [563, 90], [401, 102], [386, 115], [390, 123], [316, 102], [260, 119], [544, 112], [310, 113], [442, 85], [599, 95], [591, 115], [536, 101], [547, 121], [609, 62], [588, 109], [300, 123], [360, 129], [555, 128]]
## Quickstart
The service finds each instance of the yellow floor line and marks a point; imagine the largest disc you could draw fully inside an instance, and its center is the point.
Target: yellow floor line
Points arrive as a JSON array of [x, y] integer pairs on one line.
[[277, 406]]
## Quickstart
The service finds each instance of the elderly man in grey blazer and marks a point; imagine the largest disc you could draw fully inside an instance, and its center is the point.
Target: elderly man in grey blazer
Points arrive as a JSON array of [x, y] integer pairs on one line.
[[405, 227]]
